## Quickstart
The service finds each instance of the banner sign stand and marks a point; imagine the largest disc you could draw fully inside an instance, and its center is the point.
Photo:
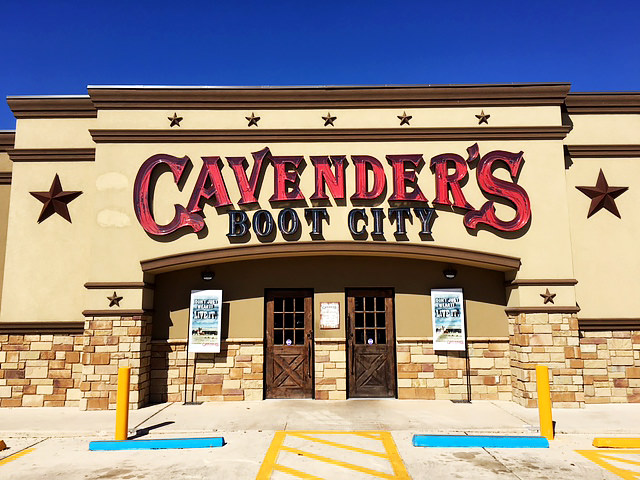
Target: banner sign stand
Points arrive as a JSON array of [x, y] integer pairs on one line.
[[449, 326], [205, 316]]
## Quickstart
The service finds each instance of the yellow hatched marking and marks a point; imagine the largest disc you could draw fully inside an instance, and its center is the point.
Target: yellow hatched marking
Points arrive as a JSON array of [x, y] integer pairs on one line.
[[339, 463], [375, 436], [338, 445], [15, 456], [295, 473], [597, 457], [394, 456], [271, 456]]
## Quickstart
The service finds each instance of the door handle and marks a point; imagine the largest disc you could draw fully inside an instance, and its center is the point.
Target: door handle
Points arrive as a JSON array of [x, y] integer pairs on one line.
[[353, 354], [309, 354]]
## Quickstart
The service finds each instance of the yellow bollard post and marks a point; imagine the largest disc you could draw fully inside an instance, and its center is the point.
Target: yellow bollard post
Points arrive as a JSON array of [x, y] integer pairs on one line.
[[122, 406], [544, 402]]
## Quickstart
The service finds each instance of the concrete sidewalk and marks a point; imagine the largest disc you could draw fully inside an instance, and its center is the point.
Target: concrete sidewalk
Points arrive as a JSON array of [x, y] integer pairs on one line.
[[417, 416]]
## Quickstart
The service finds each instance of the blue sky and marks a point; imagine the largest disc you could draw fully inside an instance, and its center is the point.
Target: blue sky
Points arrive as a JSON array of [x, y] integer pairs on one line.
[[60, 47]]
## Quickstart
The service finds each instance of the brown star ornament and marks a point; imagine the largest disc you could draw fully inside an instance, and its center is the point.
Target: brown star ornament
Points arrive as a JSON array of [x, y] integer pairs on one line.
[[404, 118], [328, 120], [548, 296], [175, 120], [603, 196], [483, 118], [114, 300], [253, 120], [55, 201]]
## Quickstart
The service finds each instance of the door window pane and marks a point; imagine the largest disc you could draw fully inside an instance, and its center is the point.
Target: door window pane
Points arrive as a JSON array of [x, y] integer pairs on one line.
[[299, 320], [359, 303], [359, 319], [380, 320], [277, 304], [380, 303], [277, 337], [288, 304], [381, 337], [371, 319], [368, 303], [299, 304], [359, 337], [288, 320], [299, 337], [277, 320]]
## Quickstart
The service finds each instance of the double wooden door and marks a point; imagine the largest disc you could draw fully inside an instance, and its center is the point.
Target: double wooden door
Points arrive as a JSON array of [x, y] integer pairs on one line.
[[289, 344], [371, 343]]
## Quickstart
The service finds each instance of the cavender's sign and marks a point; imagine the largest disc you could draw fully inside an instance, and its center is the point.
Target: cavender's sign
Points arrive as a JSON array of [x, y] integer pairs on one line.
[[450, 170]]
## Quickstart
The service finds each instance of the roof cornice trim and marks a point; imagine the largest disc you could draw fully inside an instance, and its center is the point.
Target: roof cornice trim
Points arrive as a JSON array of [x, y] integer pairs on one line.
[[342, 135], [52, 107], [603, 103], [328, 96]]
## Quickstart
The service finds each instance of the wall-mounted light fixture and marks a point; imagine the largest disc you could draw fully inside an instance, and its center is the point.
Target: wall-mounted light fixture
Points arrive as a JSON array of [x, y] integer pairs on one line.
[[450, 273], [207, 275]]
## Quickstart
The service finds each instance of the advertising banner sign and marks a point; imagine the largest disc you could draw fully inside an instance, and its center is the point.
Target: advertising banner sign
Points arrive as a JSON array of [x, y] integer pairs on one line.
[[448, 319], [205, 314]]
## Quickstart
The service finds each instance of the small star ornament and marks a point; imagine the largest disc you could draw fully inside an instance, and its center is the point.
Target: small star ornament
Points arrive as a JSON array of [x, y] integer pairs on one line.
[[175, 120], [114, 300], [253, 120], [328, 120], [404, 118], [603, 196], [55, 201], [483, 118], [548, 296]]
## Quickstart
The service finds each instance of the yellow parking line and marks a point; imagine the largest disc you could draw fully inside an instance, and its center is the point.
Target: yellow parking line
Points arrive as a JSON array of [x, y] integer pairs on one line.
[[338, 445], [339, 463], [296, 473], [599, 458], [394, 456], [271, 456], [390, 454], [15, 456]]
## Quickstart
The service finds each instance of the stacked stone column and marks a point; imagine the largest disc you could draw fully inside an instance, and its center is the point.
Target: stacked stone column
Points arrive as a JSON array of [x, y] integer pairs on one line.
[[110, 343], [550, 339]]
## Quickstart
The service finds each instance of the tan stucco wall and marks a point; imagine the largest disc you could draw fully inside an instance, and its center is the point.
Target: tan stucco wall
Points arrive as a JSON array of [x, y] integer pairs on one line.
[[105, 243], [244, 283], [5, 192], [605, 247]]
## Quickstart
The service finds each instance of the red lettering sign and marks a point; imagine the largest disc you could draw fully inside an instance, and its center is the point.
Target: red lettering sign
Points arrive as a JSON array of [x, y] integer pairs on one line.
[[507, 190], [363, 163], [142, 191]]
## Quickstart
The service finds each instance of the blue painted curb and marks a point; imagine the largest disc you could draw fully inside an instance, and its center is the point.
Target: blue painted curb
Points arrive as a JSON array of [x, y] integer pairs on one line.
[[481, 441], [206, 442]]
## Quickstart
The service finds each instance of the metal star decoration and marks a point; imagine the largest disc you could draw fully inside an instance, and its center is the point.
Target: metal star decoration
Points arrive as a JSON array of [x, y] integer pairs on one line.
[[483, 118], [253, 120], [328, 120], [404, 118], [602, 196], [548, 296], [114, 300], [175, 120], [55, 200]]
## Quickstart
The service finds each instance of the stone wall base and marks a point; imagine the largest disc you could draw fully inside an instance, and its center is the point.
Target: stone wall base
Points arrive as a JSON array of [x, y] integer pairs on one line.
[[428, 375], [38, 370], [233, 374], [331, 370], [611, 366]]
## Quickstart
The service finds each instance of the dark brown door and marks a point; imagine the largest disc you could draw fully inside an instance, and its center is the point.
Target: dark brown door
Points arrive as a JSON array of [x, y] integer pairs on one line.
[[288, 349], [371, 343]]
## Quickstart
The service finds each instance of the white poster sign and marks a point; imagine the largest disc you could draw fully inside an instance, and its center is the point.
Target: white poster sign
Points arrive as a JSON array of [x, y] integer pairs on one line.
[[329, 315], [447, 308], [205, 318]]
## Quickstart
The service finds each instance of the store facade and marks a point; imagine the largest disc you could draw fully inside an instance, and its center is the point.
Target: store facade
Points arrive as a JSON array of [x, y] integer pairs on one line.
[[326, 216]]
